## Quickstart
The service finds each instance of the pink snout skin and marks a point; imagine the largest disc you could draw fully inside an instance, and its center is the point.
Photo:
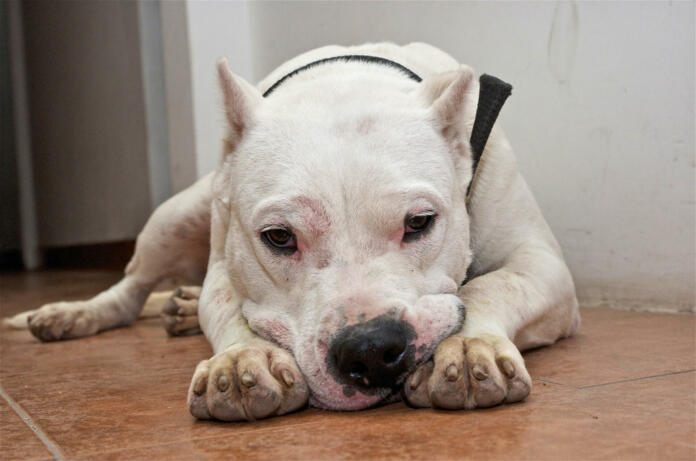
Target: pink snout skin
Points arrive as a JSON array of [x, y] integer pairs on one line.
[[433, 318], [332, 398]]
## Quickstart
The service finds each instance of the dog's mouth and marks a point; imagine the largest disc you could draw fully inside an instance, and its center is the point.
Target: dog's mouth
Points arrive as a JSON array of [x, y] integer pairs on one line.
[[353, 396], [367, 364]]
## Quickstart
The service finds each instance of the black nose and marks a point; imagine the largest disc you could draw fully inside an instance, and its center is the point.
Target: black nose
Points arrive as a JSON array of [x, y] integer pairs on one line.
[[373, 354]]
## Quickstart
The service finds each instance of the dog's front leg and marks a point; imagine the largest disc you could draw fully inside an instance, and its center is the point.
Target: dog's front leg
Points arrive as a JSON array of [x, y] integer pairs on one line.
[[248, 377], [528, 302]]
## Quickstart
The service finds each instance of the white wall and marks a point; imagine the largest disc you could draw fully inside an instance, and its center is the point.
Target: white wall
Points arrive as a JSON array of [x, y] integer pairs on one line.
[[215, 29], [601, 117]]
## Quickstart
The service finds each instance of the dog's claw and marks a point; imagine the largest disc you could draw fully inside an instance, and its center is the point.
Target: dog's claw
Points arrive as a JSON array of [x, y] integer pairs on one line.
[[287, 378], [495, 366], [248, 380], [223, 383], [479, 371], [415, 378], [507, 366], [199, 386], [451, 373]]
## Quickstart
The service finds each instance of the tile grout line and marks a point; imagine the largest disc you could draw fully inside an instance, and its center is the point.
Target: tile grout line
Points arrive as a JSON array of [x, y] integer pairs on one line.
[[55, 451], [548, 381], [592, 386]]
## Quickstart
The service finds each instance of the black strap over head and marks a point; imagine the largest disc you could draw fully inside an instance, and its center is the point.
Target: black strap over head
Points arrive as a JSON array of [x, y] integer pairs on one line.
[[492, 95], [347, 58]]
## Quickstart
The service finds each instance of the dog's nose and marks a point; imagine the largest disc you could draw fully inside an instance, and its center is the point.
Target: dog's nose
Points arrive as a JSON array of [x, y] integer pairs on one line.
[[372, 354]]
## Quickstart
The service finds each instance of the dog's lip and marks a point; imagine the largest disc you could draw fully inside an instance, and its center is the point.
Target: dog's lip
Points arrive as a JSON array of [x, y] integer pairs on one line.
[[401, 381], [384, 393], [387, 398], [349, 403]]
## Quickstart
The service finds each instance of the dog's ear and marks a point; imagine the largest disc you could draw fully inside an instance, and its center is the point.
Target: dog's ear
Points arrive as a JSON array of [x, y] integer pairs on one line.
[[447, 94], [240, 98]]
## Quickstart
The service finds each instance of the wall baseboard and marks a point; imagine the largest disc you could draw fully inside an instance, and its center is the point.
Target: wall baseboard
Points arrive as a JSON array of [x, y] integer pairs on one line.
[[639, 305], [112, 255]]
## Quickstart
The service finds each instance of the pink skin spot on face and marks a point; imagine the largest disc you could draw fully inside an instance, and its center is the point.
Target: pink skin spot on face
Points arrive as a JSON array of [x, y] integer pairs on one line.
[[397, 236], [365, 125], [322, 264], [296, 256], [323, 259], [313, 214]]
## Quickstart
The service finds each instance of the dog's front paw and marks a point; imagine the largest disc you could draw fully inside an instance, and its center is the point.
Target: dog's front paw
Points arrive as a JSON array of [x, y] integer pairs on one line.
[[247, 383], [63, 320], [470, 373]]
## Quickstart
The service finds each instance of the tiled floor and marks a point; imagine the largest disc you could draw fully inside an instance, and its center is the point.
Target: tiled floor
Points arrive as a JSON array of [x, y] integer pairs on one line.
[[624, 388]]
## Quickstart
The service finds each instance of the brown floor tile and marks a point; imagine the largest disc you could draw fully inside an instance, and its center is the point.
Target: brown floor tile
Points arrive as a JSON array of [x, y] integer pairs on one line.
[[106, 391], [17, 441], [615, 346], [121, 395], [618, 421], [653, 418]]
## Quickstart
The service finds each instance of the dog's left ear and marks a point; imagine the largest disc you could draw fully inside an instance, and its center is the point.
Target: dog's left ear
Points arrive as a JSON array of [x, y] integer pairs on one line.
[[447, 95], [241, 99]]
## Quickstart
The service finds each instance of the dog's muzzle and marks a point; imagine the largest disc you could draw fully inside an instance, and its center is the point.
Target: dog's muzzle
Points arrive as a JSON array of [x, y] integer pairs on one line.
[[374, 354]]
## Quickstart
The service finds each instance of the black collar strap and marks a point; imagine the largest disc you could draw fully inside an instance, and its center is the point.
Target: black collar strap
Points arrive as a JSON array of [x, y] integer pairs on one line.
[[347, 58], [492, 95]]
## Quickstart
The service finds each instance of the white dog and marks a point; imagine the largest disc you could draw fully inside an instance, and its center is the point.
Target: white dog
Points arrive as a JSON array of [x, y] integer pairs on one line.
[[338, 247]]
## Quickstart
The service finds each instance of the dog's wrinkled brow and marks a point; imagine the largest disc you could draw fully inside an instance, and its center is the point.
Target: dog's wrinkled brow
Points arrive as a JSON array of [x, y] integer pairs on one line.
[[269, 209], [275, 210], [418, 191]]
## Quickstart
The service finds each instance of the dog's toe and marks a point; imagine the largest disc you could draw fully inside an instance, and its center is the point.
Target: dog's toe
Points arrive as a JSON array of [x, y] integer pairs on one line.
[[196, 400], [449, 382], [487, 383]]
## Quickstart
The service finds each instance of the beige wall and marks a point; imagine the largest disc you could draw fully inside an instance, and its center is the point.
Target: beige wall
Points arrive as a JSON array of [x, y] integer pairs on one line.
[[601, 117]]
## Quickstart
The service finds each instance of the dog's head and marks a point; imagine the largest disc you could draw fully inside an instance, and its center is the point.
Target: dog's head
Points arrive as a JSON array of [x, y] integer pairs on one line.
[[348, 235]]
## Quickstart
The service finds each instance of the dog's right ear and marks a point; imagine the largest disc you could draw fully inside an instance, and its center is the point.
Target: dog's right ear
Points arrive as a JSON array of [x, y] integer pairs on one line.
[[240, 98], [446, 93]]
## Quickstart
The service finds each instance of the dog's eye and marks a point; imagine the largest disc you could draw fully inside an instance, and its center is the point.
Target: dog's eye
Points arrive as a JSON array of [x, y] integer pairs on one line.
[[416, 225], [277, 237]]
